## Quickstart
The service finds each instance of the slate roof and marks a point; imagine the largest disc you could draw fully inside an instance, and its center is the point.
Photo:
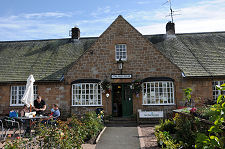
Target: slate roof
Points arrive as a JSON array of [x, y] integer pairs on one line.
[[47, 60], [196, 54]]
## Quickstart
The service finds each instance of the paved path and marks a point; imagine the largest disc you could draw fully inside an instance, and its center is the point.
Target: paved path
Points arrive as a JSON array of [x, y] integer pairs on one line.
[[119, 138]]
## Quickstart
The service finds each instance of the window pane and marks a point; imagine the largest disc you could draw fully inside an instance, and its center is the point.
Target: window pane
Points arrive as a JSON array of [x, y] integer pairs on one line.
[[216, 92], [158, 92], [86, 94], [17, 94], [121, 52]]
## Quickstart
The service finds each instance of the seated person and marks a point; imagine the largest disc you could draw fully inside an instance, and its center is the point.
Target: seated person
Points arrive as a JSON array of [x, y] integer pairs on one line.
[[39, 106], [24, 110], [55, 112], [26, 123]]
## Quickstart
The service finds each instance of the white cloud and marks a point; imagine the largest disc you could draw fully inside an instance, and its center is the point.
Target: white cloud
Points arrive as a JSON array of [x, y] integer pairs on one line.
[[200, 26], [47, 14], [143, 2], [101, 11], [188, 26], [201, 16], [158, 28], [204, 16], [33, 26]]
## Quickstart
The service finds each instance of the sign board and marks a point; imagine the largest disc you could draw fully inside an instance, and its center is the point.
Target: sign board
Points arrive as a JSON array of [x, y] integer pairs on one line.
[[150, 114], [121, 76]]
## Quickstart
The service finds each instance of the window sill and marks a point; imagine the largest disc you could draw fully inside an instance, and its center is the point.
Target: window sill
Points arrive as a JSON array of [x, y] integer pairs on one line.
[[86, 105], [159, 104], [124, 60], [16, 105]]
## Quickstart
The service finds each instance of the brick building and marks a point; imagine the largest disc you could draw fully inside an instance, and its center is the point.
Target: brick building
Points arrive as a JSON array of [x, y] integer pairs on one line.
[[69, 71]]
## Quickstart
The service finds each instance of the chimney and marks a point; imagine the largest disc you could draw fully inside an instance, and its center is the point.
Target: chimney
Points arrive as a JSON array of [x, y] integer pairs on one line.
[[170, 28], [75, 33]]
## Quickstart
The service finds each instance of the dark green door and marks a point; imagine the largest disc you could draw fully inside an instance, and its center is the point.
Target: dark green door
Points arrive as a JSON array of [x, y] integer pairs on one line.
[[127, 101]]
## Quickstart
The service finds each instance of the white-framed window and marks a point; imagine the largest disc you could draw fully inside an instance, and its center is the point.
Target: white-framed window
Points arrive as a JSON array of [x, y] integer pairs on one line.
[[158, 93], [216, 92], [86, 94], [17, 94], [121, 52]]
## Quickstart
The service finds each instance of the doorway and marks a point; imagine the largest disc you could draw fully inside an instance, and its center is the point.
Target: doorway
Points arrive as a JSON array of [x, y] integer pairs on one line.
[[122, 102]]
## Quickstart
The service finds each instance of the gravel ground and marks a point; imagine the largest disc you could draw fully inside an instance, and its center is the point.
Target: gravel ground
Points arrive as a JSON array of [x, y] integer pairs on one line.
[[88, 146], [149, 137]]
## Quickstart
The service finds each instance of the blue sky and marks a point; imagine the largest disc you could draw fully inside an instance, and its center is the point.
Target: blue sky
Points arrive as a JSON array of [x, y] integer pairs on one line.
[[52, 19]]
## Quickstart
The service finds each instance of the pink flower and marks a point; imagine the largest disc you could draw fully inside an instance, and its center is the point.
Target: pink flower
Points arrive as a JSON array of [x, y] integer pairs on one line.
[[193, 110]]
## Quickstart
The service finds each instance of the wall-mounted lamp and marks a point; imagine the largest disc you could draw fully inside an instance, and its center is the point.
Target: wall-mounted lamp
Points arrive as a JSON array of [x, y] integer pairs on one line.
[[120, 65], [91, 52], [107, 95]]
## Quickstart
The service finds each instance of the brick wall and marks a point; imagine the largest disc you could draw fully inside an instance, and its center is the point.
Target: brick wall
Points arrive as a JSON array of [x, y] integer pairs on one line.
[[56, 93], [51, 92], [4, 98], [143, 61], [201, 88]]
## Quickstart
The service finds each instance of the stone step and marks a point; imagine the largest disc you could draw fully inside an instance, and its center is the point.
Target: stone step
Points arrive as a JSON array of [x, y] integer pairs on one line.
[[121, 125], [122, 119], [120, 122]]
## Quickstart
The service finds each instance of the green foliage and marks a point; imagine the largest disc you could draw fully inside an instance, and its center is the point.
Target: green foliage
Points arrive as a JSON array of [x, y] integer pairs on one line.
[[187, 94], [205, 112], [179, 132], [185, 131], [215, 138], [66, 134], [61, 136], [167, 125], [136, 86], [188, 130], [105, 85], [165, 140], [93, 124], [15, 144], [207, 142]]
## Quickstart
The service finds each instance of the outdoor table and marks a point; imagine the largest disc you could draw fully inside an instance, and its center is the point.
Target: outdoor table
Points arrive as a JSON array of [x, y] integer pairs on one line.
[[31, 118], [28, 128]]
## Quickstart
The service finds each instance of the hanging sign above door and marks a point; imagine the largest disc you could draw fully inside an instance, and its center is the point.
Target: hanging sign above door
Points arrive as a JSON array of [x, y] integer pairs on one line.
[[121, 76]]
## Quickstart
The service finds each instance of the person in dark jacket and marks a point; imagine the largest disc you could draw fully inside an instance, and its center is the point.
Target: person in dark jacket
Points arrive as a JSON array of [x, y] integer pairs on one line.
[[39, 106]]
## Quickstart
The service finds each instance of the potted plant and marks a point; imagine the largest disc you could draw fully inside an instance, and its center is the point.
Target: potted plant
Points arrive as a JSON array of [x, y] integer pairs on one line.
[[136, 86], [105, 86], [187, 94]]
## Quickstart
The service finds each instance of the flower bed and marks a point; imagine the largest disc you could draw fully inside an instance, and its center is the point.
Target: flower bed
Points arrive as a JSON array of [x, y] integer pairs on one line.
[[178, 132], [189, 130], [66, 134]]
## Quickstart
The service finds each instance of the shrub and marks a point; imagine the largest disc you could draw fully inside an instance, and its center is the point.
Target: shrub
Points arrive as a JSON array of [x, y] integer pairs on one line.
[[179, 132], [216, 136], [93, 124], [167, 125], [185, 131], [165, 140], [205, 112], [69, 134]]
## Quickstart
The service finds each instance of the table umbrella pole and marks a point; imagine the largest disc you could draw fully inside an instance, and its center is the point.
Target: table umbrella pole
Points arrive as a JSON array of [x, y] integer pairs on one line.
[[30, 120]]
